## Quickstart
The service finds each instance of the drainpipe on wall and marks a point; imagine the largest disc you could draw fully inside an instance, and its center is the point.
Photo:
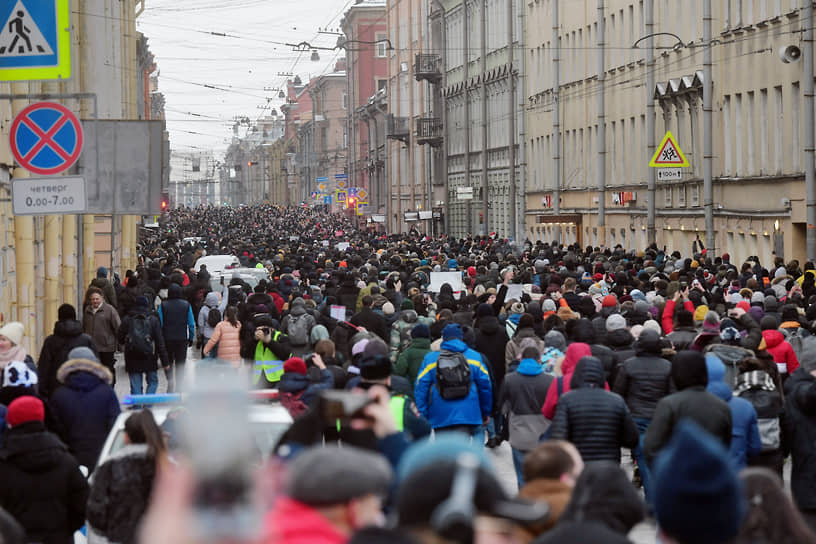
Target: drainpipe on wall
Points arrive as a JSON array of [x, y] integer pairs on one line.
[[708, 127], [650, 123], [601, 175]]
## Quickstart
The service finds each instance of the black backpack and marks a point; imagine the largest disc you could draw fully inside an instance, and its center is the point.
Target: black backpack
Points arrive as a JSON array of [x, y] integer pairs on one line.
[[452, 375], [213, 317], [140, 337]]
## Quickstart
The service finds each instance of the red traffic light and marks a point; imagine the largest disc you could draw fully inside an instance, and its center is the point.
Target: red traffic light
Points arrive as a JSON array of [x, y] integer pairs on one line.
[[163, 204]]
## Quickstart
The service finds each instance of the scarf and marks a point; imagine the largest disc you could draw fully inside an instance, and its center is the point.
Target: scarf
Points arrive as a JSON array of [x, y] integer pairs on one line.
[[15, 353], [755, 379]]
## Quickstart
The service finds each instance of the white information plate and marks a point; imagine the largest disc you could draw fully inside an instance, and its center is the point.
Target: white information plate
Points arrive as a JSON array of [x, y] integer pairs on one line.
[[669, 174], [48, 196]]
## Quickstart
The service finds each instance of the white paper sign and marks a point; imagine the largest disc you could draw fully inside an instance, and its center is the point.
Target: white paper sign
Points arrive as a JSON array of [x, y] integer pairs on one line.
[[514, 291], [440, 278], [342, 246], [338, 312]]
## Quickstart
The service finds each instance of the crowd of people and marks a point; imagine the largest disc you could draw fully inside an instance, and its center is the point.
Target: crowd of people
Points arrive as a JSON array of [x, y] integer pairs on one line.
[[439, 349]]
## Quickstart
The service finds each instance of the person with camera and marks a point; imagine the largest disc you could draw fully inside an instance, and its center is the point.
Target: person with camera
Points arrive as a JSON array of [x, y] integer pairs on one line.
[[299, 385], [271, 350]]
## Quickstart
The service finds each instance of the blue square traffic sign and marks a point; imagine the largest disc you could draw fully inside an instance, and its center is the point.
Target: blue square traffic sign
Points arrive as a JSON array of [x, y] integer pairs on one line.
[[35, 40]]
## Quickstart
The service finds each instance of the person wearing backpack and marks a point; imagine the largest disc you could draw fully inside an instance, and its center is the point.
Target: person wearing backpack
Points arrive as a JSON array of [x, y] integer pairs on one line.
[[298, 327], [453, 390], [140, 333], [178, 329], [300, 386]]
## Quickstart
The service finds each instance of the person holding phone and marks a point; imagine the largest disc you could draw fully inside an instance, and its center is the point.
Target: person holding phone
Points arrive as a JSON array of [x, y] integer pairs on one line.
[[271, 350]]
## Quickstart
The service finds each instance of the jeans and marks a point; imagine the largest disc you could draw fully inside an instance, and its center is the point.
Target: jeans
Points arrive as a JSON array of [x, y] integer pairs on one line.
[[645, 475], [136, 380], [177, 354], [518, 464], [476, 432]]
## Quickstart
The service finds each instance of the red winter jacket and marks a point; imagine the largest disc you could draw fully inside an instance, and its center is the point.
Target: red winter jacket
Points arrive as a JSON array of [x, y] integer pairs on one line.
[[575, 352], [667, 320], [782, 351], [293, 522]]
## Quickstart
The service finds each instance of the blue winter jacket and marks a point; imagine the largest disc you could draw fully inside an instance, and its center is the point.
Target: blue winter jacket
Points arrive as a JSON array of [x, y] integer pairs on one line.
[[745, 440], [470, 410]]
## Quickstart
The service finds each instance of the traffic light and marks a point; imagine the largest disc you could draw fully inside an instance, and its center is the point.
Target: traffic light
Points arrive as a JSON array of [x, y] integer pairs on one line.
[[163, 204], [352, 202], [252, 163], [165, 201]]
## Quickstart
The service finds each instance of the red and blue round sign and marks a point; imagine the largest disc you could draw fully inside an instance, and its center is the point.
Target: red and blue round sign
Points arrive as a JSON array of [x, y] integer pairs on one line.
[[46, 138]]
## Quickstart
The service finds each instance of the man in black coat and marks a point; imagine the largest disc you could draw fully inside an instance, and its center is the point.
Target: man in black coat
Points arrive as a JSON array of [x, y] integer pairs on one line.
[[800, 431], [178, 329], [642, 381], [140, 364], [42, 485], [692, 401], [67, 336], [85, 407], [372, 321], [596, 421]]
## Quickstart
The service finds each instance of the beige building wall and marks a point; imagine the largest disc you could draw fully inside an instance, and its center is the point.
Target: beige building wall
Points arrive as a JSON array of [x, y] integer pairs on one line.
[[758, 151]]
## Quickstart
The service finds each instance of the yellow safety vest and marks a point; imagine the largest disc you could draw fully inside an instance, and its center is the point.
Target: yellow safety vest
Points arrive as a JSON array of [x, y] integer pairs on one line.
[[266, 364], [398, 411]]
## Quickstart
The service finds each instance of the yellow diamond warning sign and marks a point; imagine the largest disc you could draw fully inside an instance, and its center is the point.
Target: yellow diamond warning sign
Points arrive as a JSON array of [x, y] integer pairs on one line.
[[668, 154]]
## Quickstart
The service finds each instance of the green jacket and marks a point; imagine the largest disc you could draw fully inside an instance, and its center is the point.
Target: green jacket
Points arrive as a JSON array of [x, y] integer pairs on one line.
[[401, 331], [410, 361]]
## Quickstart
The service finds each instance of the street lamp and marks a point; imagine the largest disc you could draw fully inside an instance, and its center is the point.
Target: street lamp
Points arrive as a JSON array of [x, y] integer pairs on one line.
[[342, 43]]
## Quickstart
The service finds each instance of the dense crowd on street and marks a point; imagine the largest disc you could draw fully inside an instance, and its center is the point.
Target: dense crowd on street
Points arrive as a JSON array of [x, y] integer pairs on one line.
[[437, 349]]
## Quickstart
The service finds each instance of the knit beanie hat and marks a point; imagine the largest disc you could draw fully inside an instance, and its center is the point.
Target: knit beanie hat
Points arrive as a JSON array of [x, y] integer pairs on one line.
[[700, 312], [758, 298], [526, 321], [66, 311], [407, 305], [744, 305], [548, 305], [554, 339], [769, 323], [13, 331], [609, 301], [615, 322], [694, 480], [653, 325], [25, 409], [388, 309], [82, 352], [18, 374], [421, 330], [452, 331], [295, 364], [484, 310], [711, 322]]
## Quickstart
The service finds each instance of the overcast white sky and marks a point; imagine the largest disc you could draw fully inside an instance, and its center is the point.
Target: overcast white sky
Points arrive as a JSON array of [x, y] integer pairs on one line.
[[241, 65]]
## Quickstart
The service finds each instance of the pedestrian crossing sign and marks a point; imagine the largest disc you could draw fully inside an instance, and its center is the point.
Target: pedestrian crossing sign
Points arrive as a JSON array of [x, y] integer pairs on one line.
[[668, 154], [35, 40], [341, 196]]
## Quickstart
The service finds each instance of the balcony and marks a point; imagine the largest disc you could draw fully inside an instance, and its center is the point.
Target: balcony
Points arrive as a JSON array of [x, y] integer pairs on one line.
[[398, 128], [428, 67], [429, 131]]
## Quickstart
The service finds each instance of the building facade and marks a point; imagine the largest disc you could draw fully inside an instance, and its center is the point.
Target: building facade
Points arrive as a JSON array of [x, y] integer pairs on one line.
[[414, 125], [588, 104], [364, 39]]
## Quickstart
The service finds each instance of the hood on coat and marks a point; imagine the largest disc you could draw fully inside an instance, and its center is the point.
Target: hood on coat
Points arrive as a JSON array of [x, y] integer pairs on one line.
[[68, 373], [716, 378], [408, 316], [488, 325], [68, 328], [604, 494], [649, 342], [31, 448], [588, 373], [454, 344], [174, 291], [584, 331], [211, 300], [773, 338], [292, 382], [689, 369], [620, 338], [575, 352], [296, 310]]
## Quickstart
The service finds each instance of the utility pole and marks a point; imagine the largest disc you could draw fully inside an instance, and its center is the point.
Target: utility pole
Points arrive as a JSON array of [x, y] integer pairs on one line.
[[810, 180], [651, 213], [708, 128], [511, 137], [601, 174]]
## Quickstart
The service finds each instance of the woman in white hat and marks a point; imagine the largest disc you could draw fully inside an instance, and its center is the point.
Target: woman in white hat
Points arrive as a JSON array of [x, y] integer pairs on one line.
[[11, 349]]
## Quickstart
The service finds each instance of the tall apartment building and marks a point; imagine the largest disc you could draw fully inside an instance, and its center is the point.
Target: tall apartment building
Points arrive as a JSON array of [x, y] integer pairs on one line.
[[414, 126], [587, 105], [482, 41], [364, 34]]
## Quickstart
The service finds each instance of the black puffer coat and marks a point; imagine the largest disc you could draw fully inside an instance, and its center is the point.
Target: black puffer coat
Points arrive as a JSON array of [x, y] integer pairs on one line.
[[800, 431], [120, 493], [596, 421], [491, 340], [42, 486], [646, 378], [67, 336], [621, 342]]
